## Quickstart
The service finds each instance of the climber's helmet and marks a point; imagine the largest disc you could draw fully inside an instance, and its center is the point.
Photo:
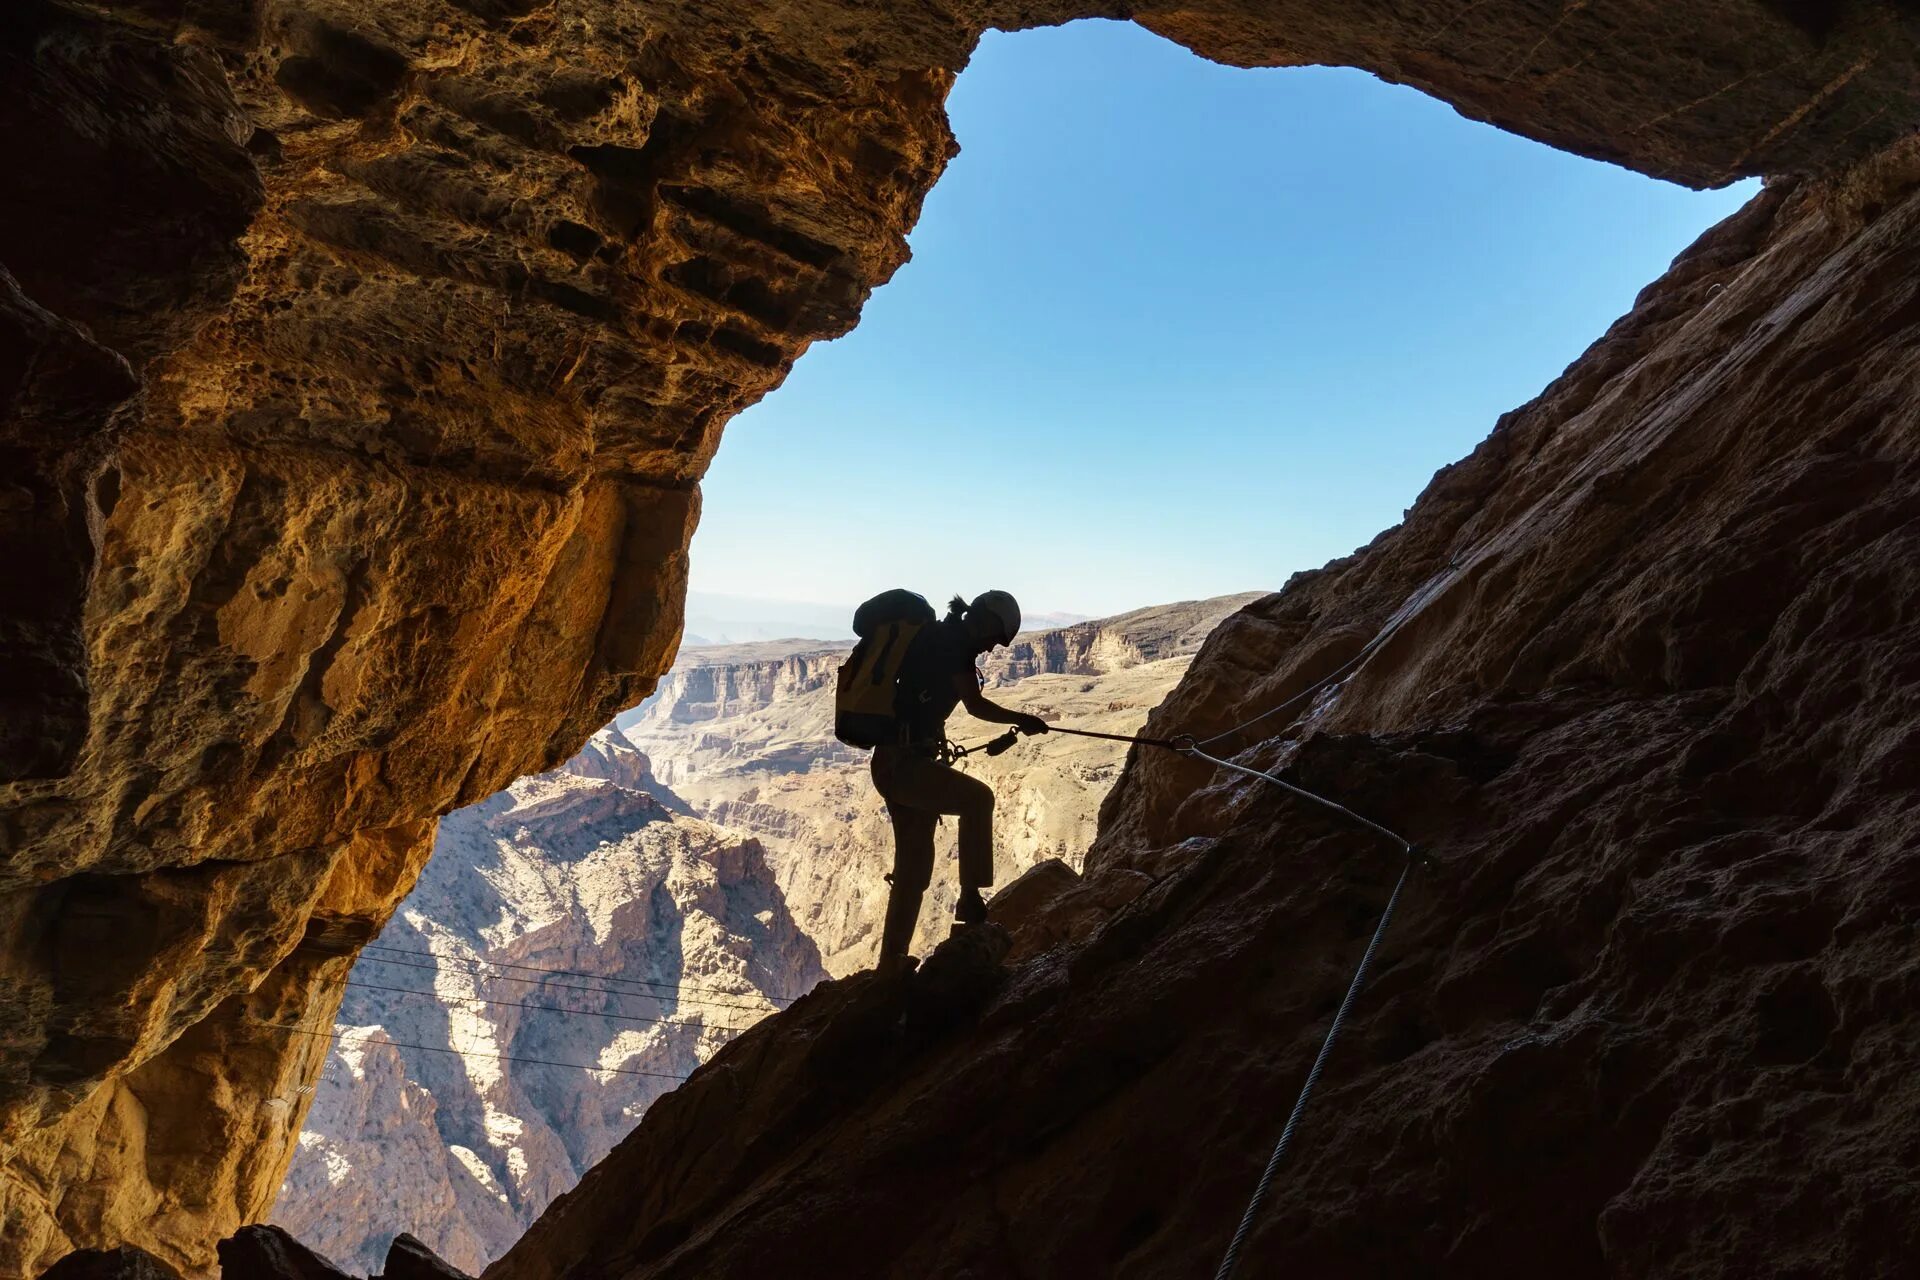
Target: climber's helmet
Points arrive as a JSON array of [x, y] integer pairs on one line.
[[994, 616]]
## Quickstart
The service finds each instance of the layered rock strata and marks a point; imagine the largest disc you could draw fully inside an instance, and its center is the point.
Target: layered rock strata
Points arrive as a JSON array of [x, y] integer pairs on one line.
[[744, 736], [1638, 675], [360, 363], [440, 1113]]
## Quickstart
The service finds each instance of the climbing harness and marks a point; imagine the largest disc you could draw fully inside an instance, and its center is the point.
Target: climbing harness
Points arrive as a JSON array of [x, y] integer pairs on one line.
[[948, 752]]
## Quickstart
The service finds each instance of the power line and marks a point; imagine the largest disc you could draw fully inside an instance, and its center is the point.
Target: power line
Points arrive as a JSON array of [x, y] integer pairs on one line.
[[565, 973], [510, 1004], [466, 1053], [568, 986]]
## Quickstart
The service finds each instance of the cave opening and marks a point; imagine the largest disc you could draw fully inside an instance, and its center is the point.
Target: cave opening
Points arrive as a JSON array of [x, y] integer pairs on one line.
[[1322, 303], [360, 367]]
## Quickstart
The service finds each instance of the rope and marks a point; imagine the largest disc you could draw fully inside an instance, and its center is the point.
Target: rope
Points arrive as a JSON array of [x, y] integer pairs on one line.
[[464, 1053], [1265, 1184]]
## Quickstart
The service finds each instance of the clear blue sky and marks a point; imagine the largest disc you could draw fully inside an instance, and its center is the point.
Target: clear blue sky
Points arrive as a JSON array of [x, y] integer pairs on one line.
[[1174, 329]]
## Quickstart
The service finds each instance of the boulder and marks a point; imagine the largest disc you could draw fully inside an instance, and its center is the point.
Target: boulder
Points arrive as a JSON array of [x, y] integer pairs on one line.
[[262, 1252]]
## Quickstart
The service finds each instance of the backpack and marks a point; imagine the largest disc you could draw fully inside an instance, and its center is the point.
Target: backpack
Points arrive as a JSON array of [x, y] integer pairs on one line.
[[865, 713]]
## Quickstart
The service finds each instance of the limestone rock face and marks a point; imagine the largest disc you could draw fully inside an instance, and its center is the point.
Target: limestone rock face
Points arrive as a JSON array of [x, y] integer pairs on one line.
[[743, 735], [1647, 695], [358, 364], [610, 757], [438, 1113]]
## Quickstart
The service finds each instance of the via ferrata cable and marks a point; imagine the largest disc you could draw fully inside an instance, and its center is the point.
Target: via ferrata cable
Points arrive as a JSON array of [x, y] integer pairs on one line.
[[1185, 745]]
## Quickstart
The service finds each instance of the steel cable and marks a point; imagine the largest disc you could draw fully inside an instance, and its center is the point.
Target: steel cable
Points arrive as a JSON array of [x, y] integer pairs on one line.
[[1265, 1185], [541, 1008], [566, 986], [565, 973], [464, 1053]]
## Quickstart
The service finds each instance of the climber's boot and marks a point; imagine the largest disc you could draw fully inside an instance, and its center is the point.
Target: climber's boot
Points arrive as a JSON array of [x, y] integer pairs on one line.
[[972, 908]]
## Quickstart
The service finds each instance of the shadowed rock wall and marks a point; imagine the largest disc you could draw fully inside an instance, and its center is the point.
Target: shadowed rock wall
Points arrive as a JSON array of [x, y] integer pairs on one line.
[[360, 362]]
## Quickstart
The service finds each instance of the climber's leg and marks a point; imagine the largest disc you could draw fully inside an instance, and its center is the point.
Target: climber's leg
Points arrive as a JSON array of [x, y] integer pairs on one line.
[[913, 831]]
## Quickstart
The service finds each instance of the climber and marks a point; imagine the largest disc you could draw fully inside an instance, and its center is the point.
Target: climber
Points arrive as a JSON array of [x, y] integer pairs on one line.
[[937, 674]]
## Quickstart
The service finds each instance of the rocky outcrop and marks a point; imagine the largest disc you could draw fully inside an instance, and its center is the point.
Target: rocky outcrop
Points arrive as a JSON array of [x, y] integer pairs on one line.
[[201, 1132], [766, 761], [441, 1112], [1640, 681], [360, 367], [610, 757]]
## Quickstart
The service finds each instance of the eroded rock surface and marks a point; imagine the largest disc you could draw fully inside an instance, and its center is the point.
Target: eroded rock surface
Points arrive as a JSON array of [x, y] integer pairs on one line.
[[1647, 695], [360, 363]]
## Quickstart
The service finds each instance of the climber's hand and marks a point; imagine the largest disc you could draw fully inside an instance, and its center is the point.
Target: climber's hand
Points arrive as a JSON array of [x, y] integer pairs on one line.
[[1030, 725]]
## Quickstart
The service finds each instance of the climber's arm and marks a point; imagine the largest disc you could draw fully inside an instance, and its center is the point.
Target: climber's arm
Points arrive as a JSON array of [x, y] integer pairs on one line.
[[981, 707]]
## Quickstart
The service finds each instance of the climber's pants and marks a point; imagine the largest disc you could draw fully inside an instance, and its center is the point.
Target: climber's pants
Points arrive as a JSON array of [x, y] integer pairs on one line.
[[918, 790]]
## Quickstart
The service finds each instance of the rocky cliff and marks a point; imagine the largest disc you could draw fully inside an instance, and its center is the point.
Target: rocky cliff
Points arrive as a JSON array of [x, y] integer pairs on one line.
[[1639, 676], [744, 735], [724, 681], [358, 364], [440, 1111]]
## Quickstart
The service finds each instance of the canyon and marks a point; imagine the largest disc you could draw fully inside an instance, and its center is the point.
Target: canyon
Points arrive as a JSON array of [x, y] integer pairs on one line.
[[571, 919], [358, 368], [600, 890]]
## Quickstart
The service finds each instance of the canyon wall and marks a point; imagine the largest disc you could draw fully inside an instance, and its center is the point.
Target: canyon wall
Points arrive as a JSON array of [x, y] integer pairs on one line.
[[744, 736], [1639, 678], [438, 1113], [358, 364]]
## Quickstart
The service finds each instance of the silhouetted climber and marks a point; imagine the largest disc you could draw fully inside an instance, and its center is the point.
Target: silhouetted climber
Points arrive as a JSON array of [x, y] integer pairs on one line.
[[895, 693]]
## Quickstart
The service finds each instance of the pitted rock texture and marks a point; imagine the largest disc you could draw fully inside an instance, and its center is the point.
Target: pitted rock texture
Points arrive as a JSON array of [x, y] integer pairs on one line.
[[200, 1133], [362, 360], [1648, 697], [435, 1114], [743, 736]]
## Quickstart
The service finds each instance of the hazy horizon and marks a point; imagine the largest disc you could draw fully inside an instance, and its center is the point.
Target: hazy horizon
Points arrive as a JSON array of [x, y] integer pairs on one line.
[[1174, 330]]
